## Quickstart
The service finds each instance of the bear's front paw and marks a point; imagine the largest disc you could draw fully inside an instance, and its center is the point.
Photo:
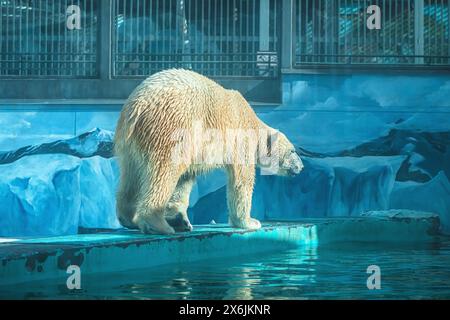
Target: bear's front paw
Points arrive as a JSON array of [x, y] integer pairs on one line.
[[253, 224], [153, 224], [250, 224]]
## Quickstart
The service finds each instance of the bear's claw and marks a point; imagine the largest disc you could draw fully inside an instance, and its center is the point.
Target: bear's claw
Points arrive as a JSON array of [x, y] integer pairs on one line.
[[180, 223], [153, 224]]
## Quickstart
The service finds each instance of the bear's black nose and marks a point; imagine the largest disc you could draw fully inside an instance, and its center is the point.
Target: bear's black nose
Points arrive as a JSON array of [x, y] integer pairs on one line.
[[295, 169]]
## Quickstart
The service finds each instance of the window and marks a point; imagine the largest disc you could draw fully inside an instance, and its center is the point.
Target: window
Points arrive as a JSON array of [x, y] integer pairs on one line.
[[334, 32], [35, 40], [214, 37]]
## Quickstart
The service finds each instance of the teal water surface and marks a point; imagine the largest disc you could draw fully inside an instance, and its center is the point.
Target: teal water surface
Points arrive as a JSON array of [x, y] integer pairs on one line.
[[329, 272]]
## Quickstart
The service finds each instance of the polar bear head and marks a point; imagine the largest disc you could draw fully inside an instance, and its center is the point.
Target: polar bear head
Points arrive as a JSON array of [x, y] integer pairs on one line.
[[283, 152]]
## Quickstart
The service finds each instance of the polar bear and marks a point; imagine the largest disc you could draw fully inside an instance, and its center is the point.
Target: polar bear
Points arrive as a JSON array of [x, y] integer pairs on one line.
[[156, 180]]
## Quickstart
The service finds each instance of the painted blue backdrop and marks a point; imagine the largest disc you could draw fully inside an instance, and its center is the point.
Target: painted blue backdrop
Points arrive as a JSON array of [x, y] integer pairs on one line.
[[369, 142]]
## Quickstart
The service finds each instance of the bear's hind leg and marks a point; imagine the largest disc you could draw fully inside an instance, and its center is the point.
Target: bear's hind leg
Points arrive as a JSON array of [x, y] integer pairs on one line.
[[241, 180], [176, 210], [157, 186], [127, 193]]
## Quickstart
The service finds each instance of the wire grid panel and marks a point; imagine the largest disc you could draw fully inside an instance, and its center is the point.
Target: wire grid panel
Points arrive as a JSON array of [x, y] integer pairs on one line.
[[221, 38], [335, 32], [36, 40]]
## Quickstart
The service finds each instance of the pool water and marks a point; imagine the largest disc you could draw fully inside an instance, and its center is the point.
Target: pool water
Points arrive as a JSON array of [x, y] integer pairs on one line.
[[327, 272]]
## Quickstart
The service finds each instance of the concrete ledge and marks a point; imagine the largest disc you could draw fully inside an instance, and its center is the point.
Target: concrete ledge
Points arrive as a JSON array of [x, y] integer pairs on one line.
[[26, 260], [40, 259]]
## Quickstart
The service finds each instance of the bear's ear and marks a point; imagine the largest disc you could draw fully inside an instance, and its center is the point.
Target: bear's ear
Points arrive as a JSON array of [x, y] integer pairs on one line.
[[271, 142]]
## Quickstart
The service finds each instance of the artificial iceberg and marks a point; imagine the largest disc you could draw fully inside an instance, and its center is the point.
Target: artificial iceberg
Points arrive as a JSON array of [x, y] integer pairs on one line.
[[56, 188]]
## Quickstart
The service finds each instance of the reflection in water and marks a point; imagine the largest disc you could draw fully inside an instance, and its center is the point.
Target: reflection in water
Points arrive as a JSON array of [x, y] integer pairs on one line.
[[241, 286], [335, 271]]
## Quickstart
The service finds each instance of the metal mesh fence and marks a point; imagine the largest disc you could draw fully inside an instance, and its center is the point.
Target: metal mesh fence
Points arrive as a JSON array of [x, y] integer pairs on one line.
[[219, 38], [35, 39], [215, 37], [413, 32]]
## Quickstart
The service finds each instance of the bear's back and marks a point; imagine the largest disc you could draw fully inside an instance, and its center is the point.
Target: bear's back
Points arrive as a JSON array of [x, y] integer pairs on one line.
[[179, 99], [179, 92], [170, 100], [181, 79]]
